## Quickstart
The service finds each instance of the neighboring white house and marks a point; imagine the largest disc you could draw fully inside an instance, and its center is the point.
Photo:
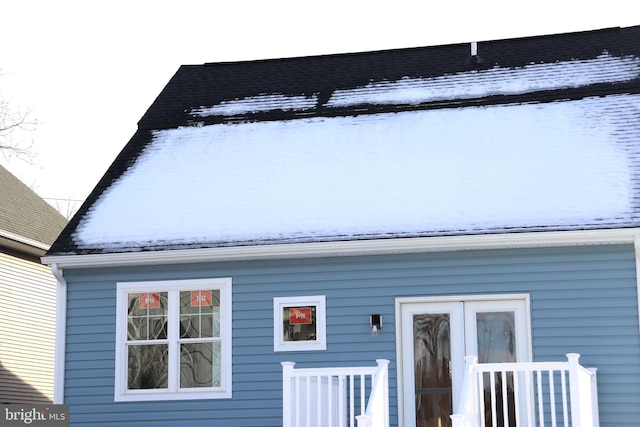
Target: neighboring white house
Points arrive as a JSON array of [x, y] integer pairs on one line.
[[28, 226]]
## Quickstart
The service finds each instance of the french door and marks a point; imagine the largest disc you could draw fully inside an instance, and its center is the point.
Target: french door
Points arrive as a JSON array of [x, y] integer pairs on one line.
[[436, 335]]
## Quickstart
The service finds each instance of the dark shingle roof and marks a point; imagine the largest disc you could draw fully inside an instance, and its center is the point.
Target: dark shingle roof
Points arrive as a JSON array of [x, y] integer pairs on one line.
[[209, 84], [206, 85], [23, 213]]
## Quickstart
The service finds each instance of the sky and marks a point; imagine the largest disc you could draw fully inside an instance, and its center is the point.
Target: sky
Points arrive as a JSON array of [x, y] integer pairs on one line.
[[88, 70]]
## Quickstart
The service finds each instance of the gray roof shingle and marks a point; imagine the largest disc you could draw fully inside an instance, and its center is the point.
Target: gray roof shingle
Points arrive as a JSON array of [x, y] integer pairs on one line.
[[24, 213]]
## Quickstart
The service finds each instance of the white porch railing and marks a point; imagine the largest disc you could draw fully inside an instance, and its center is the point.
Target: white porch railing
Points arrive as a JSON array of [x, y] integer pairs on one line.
[[335, 397], [528, 395]]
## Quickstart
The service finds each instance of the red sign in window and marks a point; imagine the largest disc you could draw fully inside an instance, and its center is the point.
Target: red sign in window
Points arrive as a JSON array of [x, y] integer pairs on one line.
[[201, 298], [300, 316], [148, 301]]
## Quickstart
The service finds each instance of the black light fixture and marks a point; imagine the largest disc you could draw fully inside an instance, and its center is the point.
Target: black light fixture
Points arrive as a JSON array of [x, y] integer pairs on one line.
[[376, 324]]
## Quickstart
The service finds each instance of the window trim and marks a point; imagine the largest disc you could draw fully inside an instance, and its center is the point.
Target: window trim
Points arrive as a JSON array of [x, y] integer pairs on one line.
[[280, 303], [121, 393]]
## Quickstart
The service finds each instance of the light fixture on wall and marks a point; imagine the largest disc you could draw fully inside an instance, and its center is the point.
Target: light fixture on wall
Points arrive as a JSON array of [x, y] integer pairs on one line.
[[376, 324]]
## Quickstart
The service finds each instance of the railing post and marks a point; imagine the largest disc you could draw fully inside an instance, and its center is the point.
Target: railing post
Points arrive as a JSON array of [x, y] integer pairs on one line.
[[362, 420], [594, 396], [574, 389], [457, 420], [383, 366], [577, 401], [466, 409], [287, 394]]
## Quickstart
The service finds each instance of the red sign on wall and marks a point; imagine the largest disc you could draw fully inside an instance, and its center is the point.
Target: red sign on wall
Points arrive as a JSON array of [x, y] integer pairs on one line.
[[150, 300], [201, 298], [300, 316]]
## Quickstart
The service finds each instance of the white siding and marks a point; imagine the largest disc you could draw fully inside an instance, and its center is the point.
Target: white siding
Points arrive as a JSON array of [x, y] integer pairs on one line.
[[27, 331]]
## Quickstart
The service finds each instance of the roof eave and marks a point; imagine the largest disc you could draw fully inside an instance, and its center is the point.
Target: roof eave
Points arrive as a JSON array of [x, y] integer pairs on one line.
[[349, 248], [23, 245]]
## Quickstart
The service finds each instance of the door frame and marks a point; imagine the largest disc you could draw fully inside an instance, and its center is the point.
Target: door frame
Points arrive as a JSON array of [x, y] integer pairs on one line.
[[402, 302]]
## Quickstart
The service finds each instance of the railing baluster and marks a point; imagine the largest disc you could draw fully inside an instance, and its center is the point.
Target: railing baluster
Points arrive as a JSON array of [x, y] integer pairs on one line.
[[308, 377], [540, 399], [341, 389], [362, 384], [297, 393], [516, 396], [480, 391], [565, 412], [319, 399], [552, 399], [530, 411], [329, 400], [494, 416], [351, 401], [505, 400]]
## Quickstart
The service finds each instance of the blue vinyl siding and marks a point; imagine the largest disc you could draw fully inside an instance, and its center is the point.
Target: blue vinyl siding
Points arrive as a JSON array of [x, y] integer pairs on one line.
[[583, 299]]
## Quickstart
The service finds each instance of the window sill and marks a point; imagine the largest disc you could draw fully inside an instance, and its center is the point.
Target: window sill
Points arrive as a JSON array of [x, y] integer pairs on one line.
[[146, 396]]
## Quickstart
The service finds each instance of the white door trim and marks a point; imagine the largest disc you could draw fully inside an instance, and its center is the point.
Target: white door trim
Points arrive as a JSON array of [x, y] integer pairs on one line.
[[402, 302]]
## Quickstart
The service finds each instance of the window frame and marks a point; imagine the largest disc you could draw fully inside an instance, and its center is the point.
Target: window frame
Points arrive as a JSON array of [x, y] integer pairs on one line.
[[280, 303], [173, 390]]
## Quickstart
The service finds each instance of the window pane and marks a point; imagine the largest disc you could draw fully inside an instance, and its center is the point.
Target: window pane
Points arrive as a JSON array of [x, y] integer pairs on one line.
[[299, 323], [147, 316], [148, 366], [200, 365], [200, 314]]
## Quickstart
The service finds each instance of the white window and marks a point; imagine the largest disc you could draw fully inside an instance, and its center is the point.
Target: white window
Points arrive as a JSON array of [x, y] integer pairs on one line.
[[299, 323], [173, 340]]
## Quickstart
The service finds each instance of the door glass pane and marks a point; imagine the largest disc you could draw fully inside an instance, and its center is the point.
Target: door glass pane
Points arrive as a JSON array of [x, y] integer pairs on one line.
[[497, 344], [496, 337], [432, 356]]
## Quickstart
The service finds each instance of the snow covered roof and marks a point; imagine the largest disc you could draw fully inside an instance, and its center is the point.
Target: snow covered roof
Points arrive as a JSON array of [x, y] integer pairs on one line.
[[531, 134]]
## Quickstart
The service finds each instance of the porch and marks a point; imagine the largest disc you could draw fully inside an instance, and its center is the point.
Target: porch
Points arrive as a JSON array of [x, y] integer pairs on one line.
[[532, 394]]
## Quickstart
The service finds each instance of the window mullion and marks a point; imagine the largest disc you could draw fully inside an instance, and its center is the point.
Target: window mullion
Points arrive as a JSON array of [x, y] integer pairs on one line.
[[173, 332]]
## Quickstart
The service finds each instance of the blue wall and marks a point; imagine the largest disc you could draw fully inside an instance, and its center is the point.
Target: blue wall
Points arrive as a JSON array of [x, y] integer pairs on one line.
[[583, 299]]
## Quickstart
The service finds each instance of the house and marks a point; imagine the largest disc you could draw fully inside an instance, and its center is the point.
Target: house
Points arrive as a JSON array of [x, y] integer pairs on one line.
[[467, 215], [28, 226]]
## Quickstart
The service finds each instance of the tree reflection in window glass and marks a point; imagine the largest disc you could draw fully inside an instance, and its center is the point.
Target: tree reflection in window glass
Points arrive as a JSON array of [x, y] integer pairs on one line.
[[148, 366], [497, 344], [432, 356], [200, 314], [200, 365], [147, 316], [147, 321]]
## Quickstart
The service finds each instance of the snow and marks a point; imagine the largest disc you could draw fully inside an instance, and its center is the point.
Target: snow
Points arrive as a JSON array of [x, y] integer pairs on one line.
[[264, 102], [495, 81], [474, 169], [467, 85]]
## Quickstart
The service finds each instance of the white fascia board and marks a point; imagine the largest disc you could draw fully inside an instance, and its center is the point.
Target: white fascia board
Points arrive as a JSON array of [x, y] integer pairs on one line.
[[24, 241], [349, 248]]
